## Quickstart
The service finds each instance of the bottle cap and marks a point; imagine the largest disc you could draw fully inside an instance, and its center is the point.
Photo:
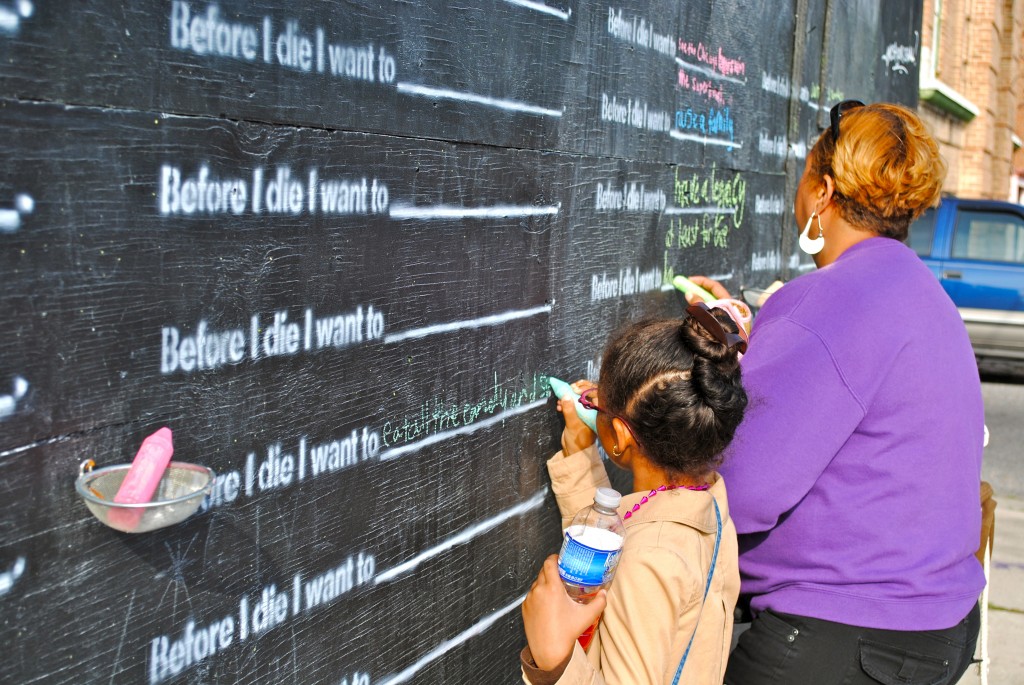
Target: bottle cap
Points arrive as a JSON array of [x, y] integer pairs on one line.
[[607, 498]]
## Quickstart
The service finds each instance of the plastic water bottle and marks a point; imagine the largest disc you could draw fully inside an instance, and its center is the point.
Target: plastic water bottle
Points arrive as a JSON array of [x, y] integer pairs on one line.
[[590, 551], [591, 547]]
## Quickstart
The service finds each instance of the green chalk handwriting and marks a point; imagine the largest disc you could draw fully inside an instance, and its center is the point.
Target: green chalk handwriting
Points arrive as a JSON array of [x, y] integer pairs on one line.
[[437, 415]]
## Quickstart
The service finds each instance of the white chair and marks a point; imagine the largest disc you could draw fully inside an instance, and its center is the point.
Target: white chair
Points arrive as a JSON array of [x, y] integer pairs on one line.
[[984, 554]]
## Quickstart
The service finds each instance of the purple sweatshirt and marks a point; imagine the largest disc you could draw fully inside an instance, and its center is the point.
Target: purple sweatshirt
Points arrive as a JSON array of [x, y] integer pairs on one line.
[[854, 477]]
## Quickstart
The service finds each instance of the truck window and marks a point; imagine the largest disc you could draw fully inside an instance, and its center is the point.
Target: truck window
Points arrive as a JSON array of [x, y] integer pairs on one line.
[[988, 236], [922, 232]]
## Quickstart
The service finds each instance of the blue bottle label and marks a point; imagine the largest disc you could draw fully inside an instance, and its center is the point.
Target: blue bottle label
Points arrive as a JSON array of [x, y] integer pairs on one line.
[[584, 565]]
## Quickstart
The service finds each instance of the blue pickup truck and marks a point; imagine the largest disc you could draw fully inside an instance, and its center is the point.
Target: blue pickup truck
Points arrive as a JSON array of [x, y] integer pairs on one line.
[[976, 250]]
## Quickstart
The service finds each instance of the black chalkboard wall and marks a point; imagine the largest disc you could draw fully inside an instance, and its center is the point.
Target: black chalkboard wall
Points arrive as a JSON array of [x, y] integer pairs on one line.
[[383, 223]]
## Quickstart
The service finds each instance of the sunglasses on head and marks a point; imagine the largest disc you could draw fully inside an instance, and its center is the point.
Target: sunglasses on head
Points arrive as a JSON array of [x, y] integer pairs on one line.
[[837, 112], [702, 313]]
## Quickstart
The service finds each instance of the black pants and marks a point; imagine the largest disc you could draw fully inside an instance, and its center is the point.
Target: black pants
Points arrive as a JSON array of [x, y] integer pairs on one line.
[[796, 650]]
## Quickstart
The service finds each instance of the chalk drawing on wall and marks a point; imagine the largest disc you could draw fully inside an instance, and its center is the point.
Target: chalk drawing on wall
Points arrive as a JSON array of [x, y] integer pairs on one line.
[[402, 450], [714, 127], [437, 419], [9, 577], [10, 18], [708, 208], [10, 219], [705, 71], [897, 57], [9, 403], [713, 72]]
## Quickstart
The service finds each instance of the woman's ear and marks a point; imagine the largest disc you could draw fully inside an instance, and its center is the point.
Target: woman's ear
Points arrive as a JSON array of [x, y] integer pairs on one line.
[[828, 189]]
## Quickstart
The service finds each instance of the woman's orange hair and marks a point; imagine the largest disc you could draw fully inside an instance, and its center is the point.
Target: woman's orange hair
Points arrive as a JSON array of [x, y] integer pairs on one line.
[[886, 168]]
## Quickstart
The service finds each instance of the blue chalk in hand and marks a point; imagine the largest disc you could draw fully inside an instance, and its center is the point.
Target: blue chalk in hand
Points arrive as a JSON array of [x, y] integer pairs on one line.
[[563, 390]]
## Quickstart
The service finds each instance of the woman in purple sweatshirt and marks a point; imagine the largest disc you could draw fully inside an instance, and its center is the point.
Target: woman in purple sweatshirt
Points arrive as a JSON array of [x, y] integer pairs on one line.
[[854, 477]]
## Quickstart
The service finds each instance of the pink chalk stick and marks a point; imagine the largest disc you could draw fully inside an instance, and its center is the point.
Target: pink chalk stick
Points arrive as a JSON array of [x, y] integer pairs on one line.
[[147, 469]]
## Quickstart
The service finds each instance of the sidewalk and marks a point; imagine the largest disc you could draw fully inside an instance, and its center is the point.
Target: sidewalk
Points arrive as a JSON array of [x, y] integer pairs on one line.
[[1006, 599]]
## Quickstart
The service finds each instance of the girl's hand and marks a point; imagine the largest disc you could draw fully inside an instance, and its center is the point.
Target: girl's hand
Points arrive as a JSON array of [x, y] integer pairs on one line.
[[709, 284], [552, 620], [576, 436]]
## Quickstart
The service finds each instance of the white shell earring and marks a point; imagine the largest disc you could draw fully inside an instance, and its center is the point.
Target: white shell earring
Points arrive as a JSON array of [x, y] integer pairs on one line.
[[812, 246]]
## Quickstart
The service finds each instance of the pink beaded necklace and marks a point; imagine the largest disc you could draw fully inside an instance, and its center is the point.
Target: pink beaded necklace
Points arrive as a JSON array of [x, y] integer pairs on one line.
[[662, 488]]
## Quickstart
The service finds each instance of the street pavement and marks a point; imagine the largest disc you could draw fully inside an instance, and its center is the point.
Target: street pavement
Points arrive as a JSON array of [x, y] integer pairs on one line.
[[1002, 464], [1005, 643]]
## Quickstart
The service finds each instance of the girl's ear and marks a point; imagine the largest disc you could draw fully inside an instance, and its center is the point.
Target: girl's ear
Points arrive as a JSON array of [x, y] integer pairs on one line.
[[623, 438]]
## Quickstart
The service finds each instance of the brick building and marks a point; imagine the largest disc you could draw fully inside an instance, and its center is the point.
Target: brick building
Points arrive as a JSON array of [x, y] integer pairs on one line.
[[972, 93]]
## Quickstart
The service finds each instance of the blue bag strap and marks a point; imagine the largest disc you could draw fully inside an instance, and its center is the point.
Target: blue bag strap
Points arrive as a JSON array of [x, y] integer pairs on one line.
[[707, 587]]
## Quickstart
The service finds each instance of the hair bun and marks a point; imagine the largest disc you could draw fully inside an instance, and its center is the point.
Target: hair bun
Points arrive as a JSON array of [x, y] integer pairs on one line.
[[678, 386], [705, 343]]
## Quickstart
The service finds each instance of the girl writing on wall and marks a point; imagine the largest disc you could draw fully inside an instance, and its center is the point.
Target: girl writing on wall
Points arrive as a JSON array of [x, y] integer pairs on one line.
[[668, 402]]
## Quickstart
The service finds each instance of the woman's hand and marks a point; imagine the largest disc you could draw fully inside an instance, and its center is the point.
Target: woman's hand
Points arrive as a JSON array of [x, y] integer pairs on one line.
[[709, 284], [552, 620], [577, 436]]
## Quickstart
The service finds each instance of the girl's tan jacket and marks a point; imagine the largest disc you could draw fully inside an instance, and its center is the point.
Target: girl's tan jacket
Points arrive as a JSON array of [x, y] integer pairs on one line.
[[656, 597]]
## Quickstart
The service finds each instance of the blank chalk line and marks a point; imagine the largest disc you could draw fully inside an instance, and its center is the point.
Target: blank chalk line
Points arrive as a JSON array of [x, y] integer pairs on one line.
[[542, 8], [699, 210], [710, 73], [491, 320], [400, 211], [477, 628], [446, 94], [463, 537], [679, 135], [715, 277], [396, 452]]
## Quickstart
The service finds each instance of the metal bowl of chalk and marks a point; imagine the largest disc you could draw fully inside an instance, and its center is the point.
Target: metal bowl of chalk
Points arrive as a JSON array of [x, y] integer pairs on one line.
[[179, 494]]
